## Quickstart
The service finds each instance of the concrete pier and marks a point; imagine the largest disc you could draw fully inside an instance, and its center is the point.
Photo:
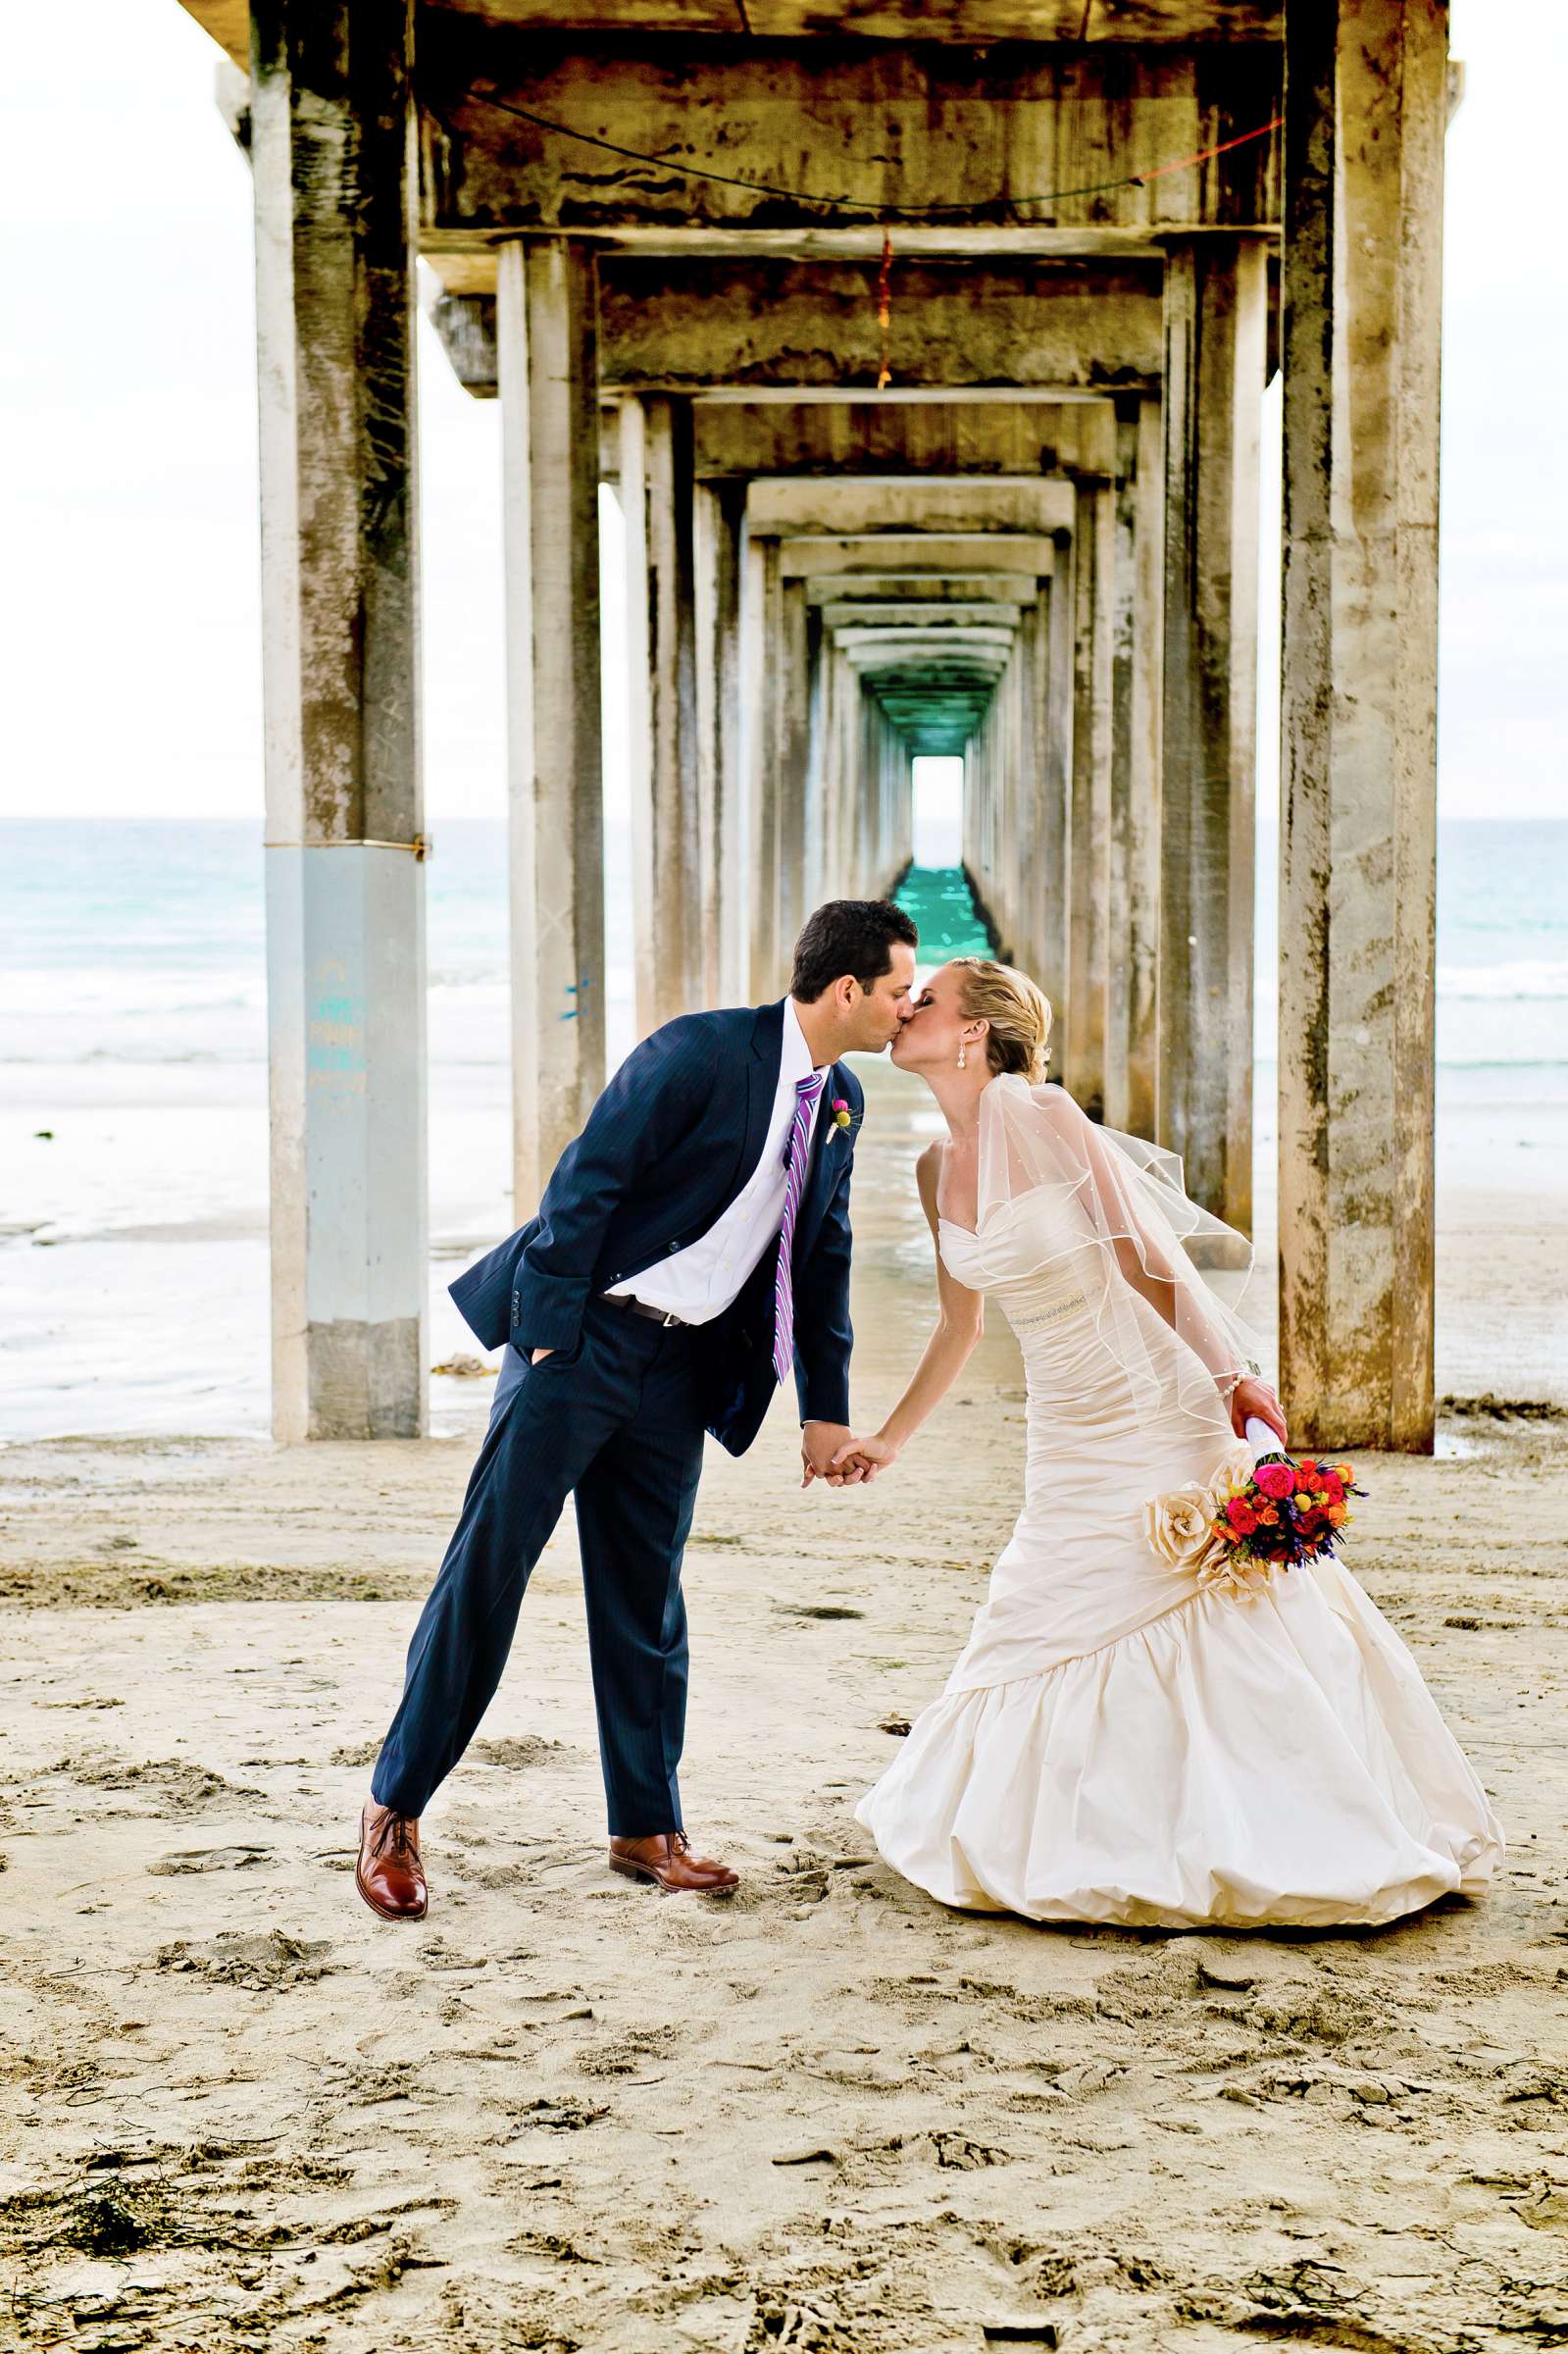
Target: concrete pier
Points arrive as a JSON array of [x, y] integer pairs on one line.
[[345, 905], [658, 495], [988, 491], [1089, 844], [548, 380], [1365, 115], [1215, 315], [1131, 1018]]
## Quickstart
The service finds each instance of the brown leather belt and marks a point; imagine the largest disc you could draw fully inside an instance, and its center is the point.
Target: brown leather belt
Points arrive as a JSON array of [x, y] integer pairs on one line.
[[639, 1308]]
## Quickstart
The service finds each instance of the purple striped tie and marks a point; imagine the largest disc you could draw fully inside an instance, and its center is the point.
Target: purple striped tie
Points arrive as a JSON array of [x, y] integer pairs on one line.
[[783, 1290]]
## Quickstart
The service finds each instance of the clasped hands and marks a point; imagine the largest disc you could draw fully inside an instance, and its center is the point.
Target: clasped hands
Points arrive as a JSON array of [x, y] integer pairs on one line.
[[832, 1452]]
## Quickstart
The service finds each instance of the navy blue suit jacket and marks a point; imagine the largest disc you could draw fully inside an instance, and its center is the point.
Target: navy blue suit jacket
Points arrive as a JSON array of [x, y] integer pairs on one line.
[[666, 1148]]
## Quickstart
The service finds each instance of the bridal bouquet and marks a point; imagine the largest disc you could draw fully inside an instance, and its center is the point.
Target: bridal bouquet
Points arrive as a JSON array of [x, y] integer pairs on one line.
[[1256, 1515]]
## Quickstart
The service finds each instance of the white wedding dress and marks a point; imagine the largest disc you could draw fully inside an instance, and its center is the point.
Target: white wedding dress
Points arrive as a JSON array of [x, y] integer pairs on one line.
[[1117, 1743]]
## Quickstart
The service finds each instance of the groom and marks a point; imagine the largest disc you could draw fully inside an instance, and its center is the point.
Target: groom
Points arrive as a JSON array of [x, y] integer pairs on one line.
[[691, 1249]]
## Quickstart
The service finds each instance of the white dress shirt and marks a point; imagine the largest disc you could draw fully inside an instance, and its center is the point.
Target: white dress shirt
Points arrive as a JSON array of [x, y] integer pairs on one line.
[[701, 1281]]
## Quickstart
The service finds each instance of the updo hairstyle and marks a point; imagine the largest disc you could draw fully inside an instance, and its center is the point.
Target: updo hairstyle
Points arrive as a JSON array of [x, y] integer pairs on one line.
[[1019, 1013]]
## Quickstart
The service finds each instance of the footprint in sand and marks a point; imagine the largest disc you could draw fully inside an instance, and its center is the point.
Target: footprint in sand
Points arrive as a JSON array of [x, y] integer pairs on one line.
[[208, 1858], [267, 1962]]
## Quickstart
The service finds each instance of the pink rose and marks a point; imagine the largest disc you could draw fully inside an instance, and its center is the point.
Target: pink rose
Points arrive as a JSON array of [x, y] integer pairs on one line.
[[1275, 1479]]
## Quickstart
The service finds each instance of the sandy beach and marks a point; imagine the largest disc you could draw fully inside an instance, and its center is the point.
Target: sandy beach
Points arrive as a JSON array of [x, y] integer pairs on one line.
[[567, 2113]]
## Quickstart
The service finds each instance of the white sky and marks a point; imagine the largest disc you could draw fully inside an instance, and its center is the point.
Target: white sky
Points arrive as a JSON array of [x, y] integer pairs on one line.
[[130, 661]]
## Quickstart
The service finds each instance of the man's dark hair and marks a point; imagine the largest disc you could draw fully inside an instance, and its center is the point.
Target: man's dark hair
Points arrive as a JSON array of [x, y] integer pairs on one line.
[[847, 936]]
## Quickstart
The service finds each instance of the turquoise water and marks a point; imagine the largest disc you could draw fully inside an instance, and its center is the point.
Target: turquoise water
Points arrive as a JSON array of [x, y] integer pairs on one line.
[[943, 907]]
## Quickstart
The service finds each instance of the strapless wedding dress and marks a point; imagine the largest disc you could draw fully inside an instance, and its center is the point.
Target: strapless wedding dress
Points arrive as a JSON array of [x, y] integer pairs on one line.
[[1118, 1744]]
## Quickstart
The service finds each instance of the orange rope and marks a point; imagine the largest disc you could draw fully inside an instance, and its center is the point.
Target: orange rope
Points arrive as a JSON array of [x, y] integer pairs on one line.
[[1141, 178], [885, 306]]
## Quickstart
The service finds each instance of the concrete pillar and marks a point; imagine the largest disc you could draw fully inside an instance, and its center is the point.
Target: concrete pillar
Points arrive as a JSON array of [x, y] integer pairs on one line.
[[1216, 295], [762, 622], [791, 656], [658, 494], [1365, 101], [544, 326], [632, 493], [723, 895], [1132, 1028], [331, 146], [1053, 842], [813, 837], [1088, 847]]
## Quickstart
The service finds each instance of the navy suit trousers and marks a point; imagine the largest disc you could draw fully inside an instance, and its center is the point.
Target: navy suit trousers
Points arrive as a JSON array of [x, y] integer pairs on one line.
[[617, 1420]]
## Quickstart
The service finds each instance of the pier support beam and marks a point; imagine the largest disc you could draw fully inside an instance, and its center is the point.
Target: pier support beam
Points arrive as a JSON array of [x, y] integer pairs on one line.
[[1216, 293], [345, 908], [657, 497], [1131, 1054], [762, 629], [1364, 119], [1090, 826], [550, 491], [1056, 811], [723, 898], [791, 682]]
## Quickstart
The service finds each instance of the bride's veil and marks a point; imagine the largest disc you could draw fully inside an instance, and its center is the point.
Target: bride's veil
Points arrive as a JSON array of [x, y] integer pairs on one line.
[[1117, 1221]]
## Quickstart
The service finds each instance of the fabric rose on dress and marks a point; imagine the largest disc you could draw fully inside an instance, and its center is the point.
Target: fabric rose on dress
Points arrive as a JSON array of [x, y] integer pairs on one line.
[[1179, 1527]]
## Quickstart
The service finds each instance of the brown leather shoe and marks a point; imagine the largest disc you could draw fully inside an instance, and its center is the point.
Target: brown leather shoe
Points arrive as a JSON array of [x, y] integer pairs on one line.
[[666, 1860], [389, 1874]]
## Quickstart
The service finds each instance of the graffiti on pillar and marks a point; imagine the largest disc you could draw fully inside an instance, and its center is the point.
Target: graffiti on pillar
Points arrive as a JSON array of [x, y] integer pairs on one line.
[[576, 988], [335, 1034]]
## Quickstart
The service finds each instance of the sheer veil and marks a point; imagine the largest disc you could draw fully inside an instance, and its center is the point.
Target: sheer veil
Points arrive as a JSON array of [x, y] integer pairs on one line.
[[1167, 1281]]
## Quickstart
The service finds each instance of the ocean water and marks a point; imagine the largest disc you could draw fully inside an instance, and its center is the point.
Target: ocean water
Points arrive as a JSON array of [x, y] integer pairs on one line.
[[133, 1091]]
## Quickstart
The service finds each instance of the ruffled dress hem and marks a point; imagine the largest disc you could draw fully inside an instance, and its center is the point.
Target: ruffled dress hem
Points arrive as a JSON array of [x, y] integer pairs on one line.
[[1268, 1762]]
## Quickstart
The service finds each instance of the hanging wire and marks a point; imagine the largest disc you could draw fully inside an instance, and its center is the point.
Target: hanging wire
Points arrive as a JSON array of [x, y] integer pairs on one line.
[[852, 206], [884, 309]]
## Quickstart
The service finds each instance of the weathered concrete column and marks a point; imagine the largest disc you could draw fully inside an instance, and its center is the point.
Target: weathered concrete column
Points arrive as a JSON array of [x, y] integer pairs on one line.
[[658, 495], [813, 852], [791, 655], [1088, 848], [1216, 293], [762, 622], [1362, 310], [723, 898], [346, 904], [545, 327], [1053, 839], [1132, 1060]]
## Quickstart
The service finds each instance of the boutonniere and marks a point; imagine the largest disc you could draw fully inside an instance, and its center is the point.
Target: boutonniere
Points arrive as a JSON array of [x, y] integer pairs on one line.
[[840, 1113]]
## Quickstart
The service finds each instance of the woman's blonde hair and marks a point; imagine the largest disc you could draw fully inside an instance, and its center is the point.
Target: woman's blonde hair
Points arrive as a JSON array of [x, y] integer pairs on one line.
[[1018, 1011]]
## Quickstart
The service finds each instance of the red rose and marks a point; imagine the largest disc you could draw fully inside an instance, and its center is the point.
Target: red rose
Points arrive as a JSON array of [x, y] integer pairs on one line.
[[1241, 1516], [1275, 1479]]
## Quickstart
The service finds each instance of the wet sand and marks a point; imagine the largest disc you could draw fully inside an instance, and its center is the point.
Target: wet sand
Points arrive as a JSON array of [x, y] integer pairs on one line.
[[568, 2113]]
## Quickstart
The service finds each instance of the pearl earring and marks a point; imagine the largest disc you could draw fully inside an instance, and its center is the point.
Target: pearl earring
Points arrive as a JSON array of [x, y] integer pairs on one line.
[[962, 1056]]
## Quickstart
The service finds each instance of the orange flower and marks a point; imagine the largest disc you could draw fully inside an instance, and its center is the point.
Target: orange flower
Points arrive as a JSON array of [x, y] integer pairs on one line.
[[1338, 1513]]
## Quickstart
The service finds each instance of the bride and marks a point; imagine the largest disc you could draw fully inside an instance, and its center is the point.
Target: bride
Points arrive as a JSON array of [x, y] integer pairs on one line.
[[1118, 1742]]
